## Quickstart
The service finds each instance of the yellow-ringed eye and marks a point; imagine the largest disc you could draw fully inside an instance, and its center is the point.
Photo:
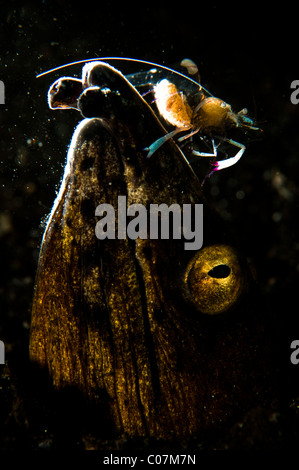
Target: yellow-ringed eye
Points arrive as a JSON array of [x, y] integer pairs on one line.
[[214, 279]]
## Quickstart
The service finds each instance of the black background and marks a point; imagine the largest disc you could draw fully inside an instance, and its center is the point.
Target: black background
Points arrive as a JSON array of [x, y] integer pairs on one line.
[[248, 57]]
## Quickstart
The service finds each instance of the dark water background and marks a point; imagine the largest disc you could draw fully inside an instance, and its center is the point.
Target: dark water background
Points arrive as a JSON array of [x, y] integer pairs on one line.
[[245, 56]]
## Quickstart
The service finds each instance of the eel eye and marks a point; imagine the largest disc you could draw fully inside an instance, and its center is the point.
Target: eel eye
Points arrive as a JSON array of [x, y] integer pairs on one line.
[[220, 271], [214, 279]]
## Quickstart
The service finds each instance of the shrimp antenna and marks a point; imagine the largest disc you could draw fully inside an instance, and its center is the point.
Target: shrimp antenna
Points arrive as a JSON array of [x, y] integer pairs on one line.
[[153, 64]]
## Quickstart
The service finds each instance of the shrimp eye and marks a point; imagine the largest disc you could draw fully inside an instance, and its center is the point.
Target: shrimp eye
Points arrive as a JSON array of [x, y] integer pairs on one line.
[[64, 93]]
